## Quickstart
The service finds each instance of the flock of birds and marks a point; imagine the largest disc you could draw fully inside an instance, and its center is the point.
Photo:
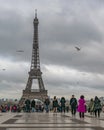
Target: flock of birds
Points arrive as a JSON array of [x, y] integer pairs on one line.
[[16, 51], [76, 47]]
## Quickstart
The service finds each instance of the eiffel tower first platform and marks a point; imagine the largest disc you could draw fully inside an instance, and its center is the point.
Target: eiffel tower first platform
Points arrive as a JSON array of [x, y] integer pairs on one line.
[[35, 71]]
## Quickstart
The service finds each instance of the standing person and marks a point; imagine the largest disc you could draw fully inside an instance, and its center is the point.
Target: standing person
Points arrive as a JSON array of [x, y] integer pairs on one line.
[[91, 106], [63, 101], [47, 102], [33, 105], [55, 104], [97, 106], [27, 102], [67, 106], [73, 104], [81, 106]]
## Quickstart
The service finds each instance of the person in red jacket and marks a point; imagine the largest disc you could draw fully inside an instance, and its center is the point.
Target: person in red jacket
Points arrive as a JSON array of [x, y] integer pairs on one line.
[[81, 106]]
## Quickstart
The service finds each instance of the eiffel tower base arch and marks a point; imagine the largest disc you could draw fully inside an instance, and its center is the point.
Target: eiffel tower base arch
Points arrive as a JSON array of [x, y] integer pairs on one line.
[[33, 94]]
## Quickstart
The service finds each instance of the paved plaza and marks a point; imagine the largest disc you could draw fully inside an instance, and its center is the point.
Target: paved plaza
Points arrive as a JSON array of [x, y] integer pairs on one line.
[[49, 121]]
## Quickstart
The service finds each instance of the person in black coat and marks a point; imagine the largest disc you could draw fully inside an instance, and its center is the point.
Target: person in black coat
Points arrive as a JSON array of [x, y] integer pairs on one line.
[[33, 105], [27, 102], [55, 104], [62, 101], [73, 104]]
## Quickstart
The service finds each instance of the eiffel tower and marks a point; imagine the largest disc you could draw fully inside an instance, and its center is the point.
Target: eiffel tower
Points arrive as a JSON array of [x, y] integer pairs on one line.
[[35, 71]]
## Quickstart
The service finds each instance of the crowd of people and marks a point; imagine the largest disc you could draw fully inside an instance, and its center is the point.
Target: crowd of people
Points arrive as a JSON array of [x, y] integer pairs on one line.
[[94, 107], [12, 108]]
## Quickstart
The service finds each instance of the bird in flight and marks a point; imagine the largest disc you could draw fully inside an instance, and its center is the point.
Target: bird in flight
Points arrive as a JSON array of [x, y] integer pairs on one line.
[[78, 48], [19, 51], [3, 69]]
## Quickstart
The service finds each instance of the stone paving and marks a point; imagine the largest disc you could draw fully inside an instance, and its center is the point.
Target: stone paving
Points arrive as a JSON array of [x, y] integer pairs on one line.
[[49, 121]]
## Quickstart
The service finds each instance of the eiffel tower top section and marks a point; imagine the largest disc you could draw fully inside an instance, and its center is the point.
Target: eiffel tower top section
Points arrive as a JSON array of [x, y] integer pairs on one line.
[[35, 62]]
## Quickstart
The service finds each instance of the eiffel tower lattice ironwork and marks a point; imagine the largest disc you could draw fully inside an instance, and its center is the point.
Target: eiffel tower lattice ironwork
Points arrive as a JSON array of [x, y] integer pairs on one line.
[[35, 71]]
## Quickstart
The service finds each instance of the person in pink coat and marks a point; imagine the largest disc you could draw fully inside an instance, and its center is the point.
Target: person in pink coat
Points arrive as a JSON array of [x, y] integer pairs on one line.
[[81, 106]]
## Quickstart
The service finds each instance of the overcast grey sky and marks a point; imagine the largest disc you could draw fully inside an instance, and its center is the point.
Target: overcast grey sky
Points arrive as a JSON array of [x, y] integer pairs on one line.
[[63, 24]]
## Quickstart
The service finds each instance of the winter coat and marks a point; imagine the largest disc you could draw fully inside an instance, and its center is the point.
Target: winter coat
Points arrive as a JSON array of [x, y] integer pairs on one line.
[[97, 105], [73, 102], [33, 103], [55, 103], [47, 101], [27, 102], [91, 106], [81, 105], [62, 101]]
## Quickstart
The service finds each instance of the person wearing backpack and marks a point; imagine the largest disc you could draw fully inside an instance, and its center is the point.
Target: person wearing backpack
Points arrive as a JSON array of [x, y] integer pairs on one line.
[[55, 104], [73, 104]]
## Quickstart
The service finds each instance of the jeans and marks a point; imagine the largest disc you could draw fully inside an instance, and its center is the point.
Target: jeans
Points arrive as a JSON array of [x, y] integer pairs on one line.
[[47, 108]]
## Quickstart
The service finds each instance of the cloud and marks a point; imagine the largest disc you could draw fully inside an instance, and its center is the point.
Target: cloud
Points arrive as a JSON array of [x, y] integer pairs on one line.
[[64, 81], [62, 26]]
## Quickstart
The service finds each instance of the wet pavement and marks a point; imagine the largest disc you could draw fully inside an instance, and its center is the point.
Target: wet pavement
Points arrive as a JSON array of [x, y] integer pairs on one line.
[[49, 121]]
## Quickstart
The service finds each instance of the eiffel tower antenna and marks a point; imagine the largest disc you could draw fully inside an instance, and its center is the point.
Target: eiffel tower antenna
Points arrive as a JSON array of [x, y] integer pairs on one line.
[[35, 71], [35, 13]]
